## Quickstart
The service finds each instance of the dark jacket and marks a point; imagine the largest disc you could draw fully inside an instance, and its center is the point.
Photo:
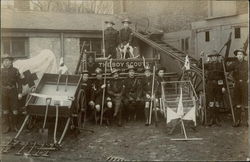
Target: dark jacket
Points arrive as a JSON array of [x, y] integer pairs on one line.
[[96, 90], [125, 36], [214, 71], [240, 70], [146, 85], [10, 77], [157, 87], [115, 87], [111, 37], [132, 87]]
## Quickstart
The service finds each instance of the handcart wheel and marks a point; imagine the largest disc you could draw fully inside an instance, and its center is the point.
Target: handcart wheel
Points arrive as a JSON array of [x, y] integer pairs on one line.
[[79, 119], [82, 109], [31, 123], [194, 77]]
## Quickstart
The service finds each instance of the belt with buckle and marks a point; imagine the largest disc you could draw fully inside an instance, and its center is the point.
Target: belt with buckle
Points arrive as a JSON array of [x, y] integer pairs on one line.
[[9, 87]]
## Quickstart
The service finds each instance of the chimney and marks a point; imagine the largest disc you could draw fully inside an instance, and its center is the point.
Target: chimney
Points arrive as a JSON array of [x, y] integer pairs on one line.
[[22, 5]]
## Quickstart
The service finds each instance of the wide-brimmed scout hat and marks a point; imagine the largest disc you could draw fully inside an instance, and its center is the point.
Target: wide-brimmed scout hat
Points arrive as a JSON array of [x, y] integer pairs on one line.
[[239, 50], [147, 68], [109, 21], [130, 67], [85, 72], [114, 71], [7, 56], [161, 68], [126, 20], [98, 70]]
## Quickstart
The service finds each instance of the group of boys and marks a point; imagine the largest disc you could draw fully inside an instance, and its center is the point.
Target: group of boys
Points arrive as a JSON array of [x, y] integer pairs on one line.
[[125, 99], [114, 38], [216, 88]]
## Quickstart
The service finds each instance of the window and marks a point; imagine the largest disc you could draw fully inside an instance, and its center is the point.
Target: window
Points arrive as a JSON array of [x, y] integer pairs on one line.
[[186, 44], [92, 45], [207, 36], [182, 45], [16, 47], [236, 33]]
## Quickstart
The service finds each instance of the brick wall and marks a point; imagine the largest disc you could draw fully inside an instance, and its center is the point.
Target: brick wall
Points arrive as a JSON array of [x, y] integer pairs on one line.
[[242, 6], [22, 5]]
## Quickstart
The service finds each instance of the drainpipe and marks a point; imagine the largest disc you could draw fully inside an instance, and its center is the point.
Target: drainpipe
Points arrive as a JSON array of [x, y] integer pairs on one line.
[[62, 45]]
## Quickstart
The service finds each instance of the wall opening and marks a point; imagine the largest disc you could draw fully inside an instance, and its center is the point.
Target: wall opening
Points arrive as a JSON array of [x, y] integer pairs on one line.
[[207, 36]]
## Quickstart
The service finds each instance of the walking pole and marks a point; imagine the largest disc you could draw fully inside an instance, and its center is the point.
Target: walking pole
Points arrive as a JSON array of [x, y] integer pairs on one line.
[[105, 76], [204, 86], [228, 90], [103, 91], [103, 41], [152, 93]]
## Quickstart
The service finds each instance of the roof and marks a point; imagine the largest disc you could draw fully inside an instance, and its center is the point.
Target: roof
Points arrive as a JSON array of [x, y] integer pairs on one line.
[[11, 19]]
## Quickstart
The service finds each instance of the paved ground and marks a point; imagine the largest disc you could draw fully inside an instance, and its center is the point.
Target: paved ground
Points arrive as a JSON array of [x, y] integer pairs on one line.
[[134, 141]]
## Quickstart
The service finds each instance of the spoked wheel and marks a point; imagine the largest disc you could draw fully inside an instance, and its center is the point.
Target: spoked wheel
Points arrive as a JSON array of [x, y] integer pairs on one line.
[[194, 77], [31, 122], [201, 112], [196, 80], [80, 111]]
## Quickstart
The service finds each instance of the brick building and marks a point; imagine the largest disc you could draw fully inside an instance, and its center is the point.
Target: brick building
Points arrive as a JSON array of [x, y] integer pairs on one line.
[[185, 22], [26, 33]]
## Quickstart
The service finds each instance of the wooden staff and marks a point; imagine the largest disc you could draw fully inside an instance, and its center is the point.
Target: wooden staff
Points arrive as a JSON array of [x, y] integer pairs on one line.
[[152, 93], [103, 92], [105, 76], [228, 90], [103, 41], [80, 58], [204, 86]]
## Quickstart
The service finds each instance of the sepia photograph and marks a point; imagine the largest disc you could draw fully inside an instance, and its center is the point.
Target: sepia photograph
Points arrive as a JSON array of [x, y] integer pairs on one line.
[[124, 80]]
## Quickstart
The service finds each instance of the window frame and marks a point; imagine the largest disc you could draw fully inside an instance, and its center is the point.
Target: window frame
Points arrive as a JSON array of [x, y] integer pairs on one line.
[[90, 42], [10, 44], [207, 36], [238, 34]]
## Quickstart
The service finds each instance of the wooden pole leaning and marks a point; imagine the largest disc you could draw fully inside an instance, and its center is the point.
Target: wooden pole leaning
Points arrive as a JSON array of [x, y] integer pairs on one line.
[[228, 91], [152, 94], [105, 76], [204, 86]]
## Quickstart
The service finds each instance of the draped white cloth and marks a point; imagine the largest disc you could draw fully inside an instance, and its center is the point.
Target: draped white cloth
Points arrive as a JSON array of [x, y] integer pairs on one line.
[[44, 62]]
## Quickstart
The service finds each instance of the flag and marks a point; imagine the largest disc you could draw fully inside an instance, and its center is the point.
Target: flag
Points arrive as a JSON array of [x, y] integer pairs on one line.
[[32, 69], [63, 69], [187, 63], [228, 45], [171, 115], [190, 115], [180, 112], [245, 45]]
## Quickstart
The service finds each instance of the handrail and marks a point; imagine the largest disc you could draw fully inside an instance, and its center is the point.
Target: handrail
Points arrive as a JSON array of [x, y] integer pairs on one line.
[[159, 47], [184, 81]]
